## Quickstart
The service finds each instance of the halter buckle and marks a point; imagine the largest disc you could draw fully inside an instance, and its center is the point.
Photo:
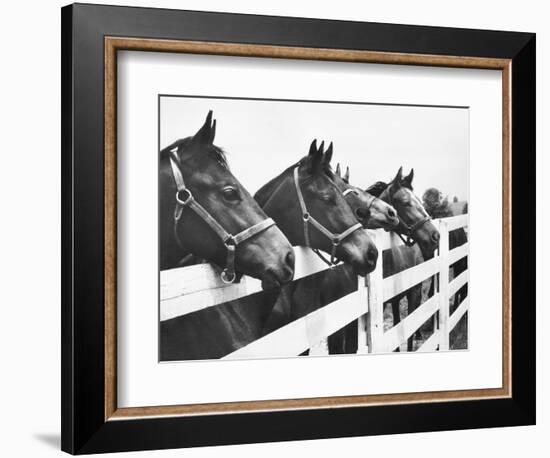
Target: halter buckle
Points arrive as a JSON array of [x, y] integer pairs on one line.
[[186, 199]]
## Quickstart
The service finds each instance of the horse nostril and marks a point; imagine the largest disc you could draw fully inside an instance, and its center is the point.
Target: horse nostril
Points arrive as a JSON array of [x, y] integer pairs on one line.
[[287, 272], [435, 237], [372, 255], [289, 259], [391, 213]]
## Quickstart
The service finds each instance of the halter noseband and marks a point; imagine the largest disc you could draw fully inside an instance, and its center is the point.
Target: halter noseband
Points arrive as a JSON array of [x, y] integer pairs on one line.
[[403, 230], [184, 198], [336, 239], [351, 190]]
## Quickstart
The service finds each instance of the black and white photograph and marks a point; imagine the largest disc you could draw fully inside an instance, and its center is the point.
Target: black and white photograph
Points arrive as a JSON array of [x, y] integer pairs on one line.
[[294, 228], [275, 229]]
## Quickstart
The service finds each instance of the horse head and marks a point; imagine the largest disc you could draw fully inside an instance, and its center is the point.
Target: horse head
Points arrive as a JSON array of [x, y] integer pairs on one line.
[[414, 222], [372, 212], [206, 211], [311, 210]]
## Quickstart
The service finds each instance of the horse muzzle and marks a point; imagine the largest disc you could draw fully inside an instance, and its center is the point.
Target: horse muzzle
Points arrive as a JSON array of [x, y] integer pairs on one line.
[[275, 277], [361, 253]]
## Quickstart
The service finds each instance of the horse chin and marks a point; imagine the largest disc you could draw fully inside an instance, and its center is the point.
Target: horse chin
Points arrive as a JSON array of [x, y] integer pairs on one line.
[[391, 224], [270, 281], [362, 271], [427, 250], [363, 267], [382, 223]]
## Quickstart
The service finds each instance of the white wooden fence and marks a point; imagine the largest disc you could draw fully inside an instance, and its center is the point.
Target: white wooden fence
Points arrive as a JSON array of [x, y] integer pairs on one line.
[[189, 289]]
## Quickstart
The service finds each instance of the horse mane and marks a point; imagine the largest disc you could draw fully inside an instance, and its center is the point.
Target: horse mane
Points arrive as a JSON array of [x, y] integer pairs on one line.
[[264, 193], [214, 151], [377, 188]]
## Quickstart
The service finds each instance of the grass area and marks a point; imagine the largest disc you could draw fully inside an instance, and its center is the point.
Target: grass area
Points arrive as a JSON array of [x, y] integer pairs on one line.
[[458, 338]]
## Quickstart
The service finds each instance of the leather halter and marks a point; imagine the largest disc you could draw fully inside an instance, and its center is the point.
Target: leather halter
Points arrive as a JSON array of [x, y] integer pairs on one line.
[[184, 198], [351, 190], [403, 230], [336, 239]]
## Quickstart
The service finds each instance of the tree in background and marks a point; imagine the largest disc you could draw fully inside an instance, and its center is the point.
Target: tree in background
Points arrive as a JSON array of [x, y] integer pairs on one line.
[[455, 199], [435, 204]]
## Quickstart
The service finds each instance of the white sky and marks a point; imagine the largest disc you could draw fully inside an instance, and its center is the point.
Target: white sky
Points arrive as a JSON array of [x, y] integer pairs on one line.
[[262, 138]]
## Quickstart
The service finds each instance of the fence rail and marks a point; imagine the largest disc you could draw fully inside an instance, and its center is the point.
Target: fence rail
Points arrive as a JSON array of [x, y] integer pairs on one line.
[[190, 289]]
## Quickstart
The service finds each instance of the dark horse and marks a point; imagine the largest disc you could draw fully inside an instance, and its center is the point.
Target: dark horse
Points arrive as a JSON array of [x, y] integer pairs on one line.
[[205, 211], [311, 211], [413, 223], [416, 229], [373, 213], [315, 291]]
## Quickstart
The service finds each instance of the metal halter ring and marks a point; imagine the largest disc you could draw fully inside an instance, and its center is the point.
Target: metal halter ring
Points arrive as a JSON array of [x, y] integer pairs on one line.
[[305, 216], [187, 199], [228, 279], [230, 241]]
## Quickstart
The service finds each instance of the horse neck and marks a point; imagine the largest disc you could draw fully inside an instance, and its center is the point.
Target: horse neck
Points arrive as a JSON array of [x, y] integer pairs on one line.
[[279, 201], [267, 190], [400, 258]]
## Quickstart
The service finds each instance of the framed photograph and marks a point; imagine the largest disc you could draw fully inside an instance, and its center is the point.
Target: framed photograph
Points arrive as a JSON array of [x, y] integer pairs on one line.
[[283, 228]]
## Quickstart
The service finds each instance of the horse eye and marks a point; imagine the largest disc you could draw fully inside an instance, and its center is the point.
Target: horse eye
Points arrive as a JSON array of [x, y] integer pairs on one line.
[[230, 193]]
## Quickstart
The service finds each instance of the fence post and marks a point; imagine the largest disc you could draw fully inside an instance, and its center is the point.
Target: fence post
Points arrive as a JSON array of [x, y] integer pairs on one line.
[[319, 349], [443, 285], [375, 316], [362, 334]]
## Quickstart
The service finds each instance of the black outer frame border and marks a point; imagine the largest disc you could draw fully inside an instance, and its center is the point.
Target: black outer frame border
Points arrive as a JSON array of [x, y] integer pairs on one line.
[[84, 429]]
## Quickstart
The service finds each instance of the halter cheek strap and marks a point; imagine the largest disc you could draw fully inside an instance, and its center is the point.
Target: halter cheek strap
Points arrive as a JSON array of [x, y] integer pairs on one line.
[[184, 198], [403, 230], [307, 219], [349, 191]]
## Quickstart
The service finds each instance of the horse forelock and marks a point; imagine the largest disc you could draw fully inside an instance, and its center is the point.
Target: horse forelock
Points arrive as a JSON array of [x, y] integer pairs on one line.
[[264, 193], [329, 172], [377, 188]]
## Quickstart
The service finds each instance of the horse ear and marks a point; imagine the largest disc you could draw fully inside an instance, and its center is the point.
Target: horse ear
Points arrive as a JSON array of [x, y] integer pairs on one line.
[[346, 176], [206, 134], [328, 155], [396, 182], [399, 175], [313, 148], [213, 132], [338, 170], [315, 157], [321, 148], [407, 181]]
